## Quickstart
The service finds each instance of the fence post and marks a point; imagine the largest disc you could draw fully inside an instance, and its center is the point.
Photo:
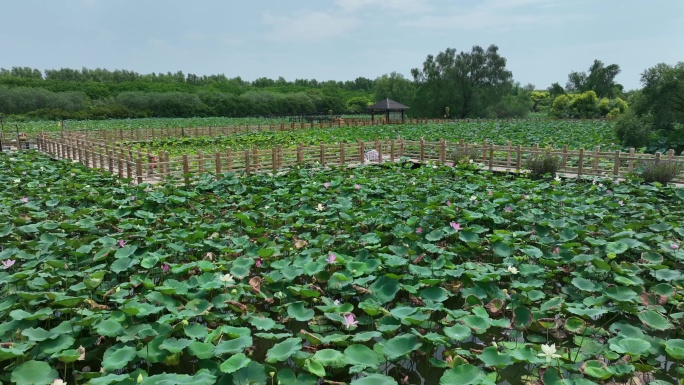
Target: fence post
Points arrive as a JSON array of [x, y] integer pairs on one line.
[[564, 162], [138, 168], [508, 154], [280, 156], [342, 160], [300, 154], [128, 159], [379, 150], [392, 150], [186, 169], [491, 157], [616, 164], [247, 155], [594, 165], [422, 150], [657, 158], [631, 159], [670, 154], [401, 146], [229, 154], [362, 157], [442, 151], [580, 165], [200, 161], [119, 163], [322, 154], [518, 157], [274, 159], [217, 161], [110, 160]]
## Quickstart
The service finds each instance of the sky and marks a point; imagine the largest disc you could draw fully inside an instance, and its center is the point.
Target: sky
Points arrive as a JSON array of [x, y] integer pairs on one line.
[[542, 40]]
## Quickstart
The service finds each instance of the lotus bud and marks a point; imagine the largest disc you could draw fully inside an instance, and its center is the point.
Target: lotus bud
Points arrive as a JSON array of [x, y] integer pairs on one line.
[[271, 374], [118, 289], [140, 378], [233, 292], [185, 322]]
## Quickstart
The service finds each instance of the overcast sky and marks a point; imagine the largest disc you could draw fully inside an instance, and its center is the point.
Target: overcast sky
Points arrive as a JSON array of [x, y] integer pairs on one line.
[[543, 40]]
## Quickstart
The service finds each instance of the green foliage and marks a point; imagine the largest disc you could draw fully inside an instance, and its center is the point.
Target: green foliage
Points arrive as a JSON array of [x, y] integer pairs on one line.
[[598, 257], [464, 155], [600, 79], [358, 104], [663, 172], [468, 82], [396, 87], [586, 105], [541, 100], [633, 131], [103, 94], [542, 165], [660, 104]]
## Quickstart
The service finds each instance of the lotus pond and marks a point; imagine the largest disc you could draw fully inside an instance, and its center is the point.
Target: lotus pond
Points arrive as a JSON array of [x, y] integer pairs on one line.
[[372, 275], [576, 134]]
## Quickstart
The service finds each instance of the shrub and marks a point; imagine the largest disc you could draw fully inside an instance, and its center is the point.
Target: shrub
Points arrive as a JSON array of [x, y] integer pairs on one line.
[[662, 172], [543, 164], [464, 155]]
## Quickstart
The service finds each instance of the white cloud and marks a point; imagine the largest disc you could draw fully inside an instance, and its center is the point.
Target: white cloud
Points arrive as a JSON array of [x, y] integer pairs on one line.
[[496, 14], [404, 6], [310, 26]]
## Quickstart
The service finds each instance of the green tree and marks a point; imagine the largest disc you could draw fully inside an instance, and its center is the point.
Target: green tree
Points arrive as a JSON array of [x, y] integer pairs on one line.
[[658, 110], [600, 79], [357, 104], [467, 82], [396, 87]]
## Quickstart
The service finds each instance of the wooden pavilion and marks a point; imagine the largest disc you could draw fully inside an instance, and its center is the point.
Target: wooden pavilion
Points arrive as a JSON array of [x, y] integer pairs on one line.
[[387, 106]]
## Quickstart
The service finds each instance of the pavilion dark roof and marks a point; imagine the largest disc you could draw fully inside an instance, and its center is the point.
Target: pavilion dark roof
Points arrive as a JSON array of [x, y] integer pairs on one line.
[[388, 105]]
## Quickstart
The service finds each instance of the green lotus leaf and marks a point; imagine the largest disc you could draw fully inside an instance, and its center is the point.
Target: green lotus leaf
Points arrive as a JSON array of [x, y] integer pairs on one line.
[[654, 320], [375, 379], [298, 311], [33, 373], [283, 350], [491, 357], [235, 363], [400, 346], [361, 355], [117, 357], [462, 375]]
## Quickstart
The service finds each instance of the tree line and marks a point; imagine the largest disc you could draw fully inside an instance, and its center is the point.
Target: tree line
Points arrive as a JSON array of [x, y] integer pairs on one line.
[[451, 84]]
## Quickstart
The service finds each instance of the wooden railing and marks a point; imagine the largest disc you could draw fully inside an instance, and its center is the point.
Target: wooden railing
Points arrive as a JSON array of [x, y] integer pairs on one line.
[[140, 167]]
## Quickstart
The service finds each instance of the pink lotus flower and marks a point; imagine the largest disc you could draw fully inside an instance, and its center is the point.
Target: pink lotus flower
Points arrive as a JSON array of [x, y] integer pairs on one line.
[[556, 250], [621, 203], [456, 226], [122, 243], [448, 203], [490, 192], [608, 192], [508, 209], [674, 246], [326, 184], [349, 320], [165, 267], [357, 186], [24, 200], [419, 230], [58, 381], [331, 258], [6, 264], [258, 262], [132, 197]]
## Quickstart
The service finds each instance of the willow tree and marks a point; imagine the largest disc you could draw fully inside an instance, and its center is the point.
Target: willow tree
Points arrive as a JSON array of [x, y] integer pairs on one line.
[[466, 82]]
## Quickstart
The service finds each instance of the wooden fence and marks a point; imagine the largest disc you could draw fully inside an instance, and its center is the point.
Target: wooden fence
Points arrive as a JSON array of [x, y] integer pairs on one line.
[[140, 167]]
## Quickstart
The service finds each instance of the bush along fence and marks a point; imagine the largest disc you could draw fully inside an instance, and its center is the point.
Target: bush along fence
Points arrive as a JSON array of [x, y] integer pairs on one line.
[[142, 167]]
